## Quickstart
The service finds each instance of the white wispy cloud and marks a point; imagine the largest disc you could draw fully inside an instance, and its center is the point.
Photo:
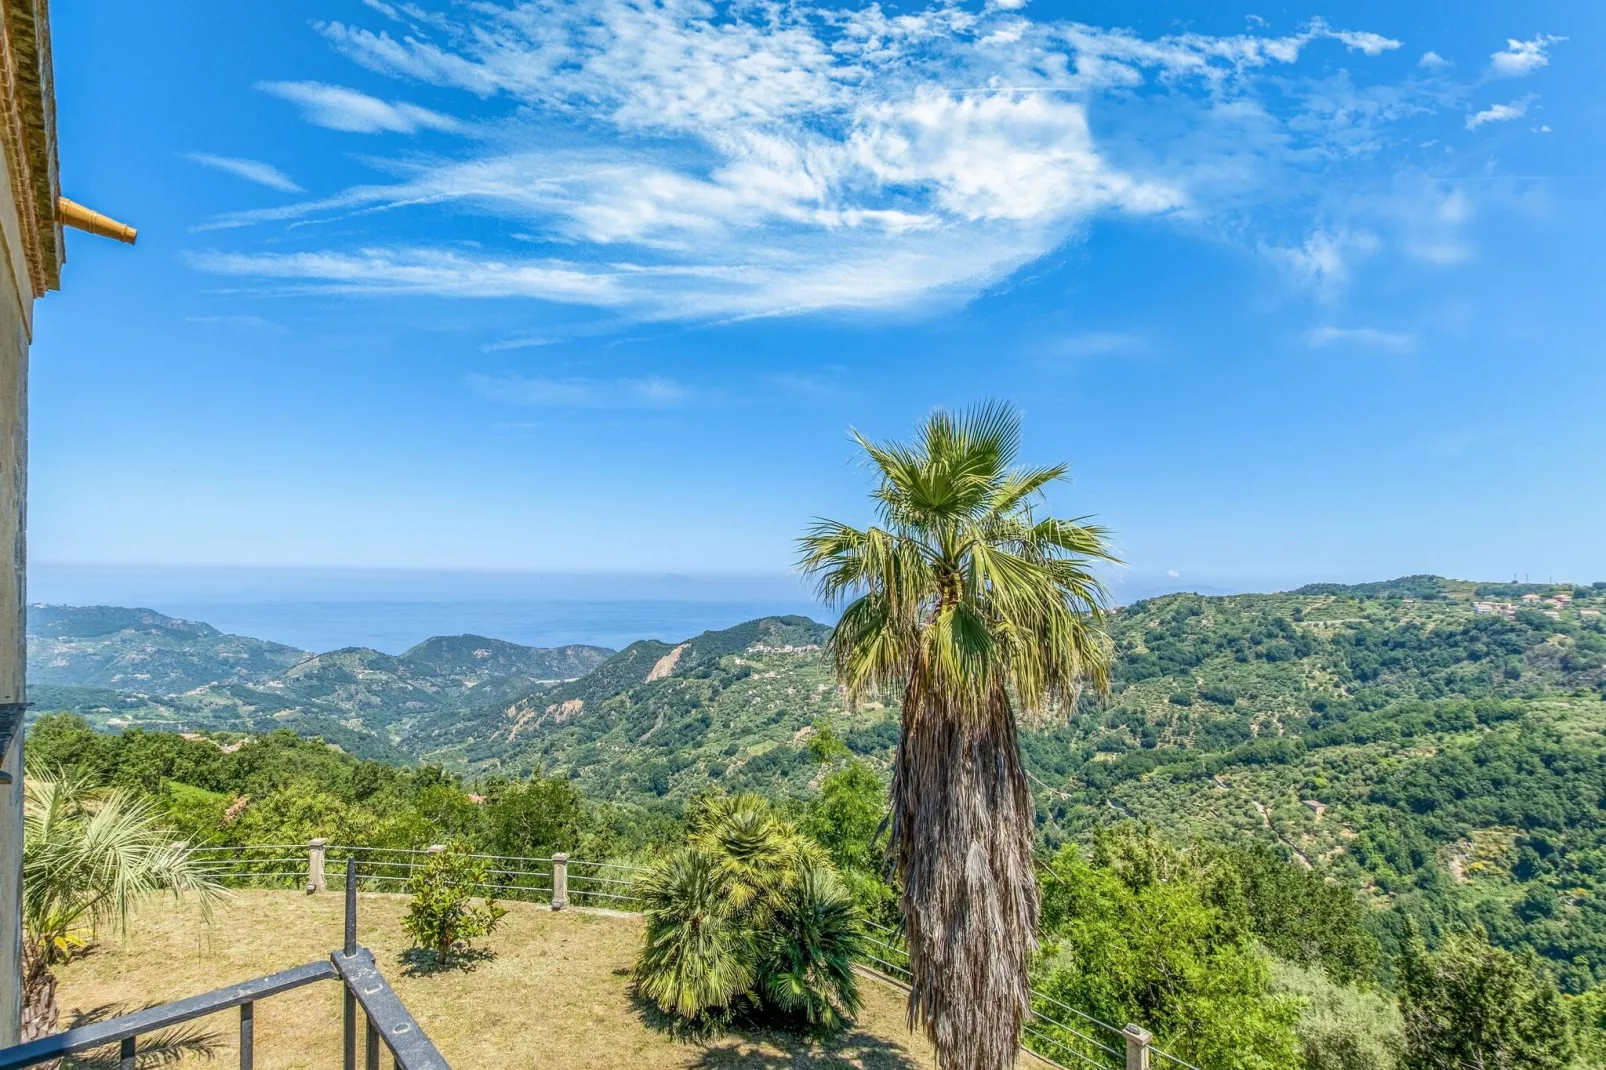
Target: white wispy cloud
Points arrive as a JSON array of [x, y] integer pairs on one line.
[[339, 108], [1432, 61], [1521, 58], [533, 341], [513, 389], [263, 174], [687, 159], [1498, 113], [1369, 337], [421, 271], [1324, 262]]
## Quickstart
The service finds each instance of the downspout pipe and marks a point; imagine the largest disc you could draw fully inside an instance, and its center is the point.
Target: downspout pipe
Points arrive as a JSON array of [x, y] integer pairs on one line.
[[72, 214]]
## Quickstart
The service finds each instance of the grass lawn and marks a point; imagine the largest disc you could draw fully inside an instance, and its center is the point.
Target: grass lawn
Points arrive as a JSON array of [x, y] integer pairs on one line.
[[554, 995]]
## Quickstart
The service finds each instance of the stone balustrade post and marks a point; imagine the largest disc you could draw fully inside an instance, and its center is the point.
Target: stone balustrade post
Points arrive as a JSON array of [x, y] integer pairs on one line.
[[560, 881], [315, 858], [1137, 1046]]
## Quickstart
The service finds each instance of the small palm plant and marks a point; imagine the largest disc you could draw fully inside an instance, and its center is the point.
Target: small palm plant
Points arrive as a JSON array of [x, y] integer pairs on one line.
[[749, 918], [974, 605], [89, 858]]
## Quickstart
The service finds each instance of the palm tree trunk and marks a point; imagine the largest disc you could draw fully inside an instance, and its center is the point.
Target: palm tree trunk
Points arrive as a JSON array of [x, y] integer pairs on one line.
[[40, 1012], [962, 824]]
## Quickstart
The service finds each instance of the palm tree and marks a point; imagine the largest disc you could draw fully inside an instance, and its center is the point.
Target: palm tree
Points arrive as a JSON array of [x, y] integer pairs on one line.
[[89, 857], [975, 606], [749, 917]]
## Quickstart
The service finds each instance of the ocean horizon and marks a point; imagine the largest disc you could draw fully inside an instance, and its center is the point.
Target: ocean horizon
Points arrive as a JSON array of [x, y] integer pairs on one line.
[[322, 609]]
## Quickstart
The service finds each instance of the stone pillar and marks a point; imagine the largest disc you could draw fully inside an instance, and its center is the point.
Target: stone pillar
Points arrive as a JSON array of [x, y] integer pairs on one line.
[[560, 881], [315, 857], [1137, 1046]]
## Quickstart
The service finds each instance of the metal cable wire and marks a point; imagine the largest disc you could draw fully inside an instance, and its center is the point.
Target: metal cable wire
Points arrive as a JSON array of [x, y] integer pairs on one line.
[[234, 868]]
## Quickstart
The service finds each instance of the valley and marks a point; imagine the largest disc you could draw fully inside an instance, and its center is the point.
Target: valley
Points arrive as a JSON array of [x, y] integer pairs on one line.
[[1443, 758]]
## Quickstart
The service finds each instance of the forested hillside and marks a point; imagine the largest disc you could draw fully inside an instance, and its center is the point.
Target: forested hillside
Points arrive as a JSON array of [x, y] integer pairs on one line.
[[1437, 744], [121, 667]]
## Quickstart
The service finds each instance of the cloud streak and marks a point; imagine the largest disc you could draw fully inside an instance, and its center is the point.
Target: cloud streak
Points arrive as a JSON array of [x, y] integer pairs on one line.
[[339, 108], [685, 160], [263, 174], [579, 393], [1498, 113], [1366, 337]]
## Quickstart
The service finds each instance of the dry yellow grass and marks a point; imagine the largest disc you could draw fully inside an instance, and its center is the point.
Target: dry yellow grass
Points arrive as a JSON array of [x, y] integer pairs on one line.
[[554, 995]]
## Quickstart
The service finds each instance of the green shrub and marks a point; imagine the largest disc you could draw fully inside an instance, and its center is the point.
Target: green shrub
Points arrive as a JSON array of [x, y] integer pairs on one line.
[[1470, 1004], [1142, 932], [442, 912], [749, 918], [1341, 1028]]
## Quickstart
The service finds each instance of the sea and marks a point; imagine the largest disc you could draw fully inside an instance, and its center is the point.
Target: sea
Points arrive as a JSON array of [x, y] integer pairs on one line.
[[323, 609], [391, 610]]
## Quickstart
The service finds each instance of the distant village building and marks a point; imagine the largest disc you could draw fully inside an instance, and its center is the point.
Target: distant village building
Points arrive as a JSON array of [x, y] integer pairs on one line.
[[1589, 612], [1552, 614], [1530, 598]]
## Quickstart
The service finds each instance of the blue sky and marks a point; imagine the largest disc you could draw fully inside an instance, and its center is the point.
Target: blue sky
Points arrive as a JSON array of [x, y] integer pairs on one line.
[[1300, 292]]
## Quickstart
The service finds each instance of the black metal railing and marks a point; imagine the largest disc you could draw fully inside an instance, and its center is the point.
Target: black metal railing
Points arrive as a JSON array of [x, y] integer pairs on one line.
[[389, 1025]]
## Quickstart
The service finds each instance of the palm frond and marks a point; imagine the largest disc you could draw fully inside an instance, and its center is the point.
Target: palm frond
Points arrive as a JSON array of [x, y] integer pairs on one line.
[[974, 604]]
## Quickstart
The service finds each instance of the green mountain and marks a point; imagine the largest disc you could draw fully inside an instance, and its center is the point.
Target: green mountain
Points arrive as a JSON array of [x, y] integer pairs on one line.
[[734, 706], [120, 667], [1440, 743], [141, 650]]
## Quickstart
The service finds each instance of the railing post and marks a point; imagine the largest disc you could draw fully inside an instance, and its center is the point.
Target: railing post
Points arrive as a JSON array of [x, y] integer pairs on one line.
[[1137, 1046], [350, 948], [560, 881], [247, 1036], [315, 855], [371, 1048], [125, 1054]]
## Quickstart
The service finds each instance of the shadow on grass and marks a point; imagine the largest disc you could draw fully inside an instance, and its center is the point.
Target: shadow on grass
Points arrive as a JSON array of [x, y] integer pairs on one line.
[[745, 1045], [420, 962], [162, 1048]]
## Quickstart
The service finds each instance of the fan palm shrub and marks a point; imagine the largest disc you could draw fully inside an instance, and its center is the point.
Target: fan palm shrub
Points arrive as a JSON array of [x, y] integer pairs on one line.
[[977, 608], [749, 918], [89, 858]]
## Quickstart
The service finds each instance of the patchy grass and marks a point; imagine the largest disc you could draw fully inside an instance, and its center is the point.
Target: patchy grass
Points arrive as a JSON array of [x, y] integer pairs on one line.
[[553, 992]]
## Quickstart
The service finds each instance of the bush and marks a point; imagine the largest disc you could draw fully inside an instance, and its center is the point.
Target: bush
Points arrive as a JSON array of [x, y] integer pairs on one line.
[[442, 912], [749, 918], [1470, 1004], [1138, 933], [1341, 1028]]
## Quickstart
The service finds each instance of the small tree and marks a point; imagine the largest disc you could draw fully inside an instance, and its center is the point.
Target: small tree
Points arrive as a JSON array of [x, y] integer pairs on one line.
[[442, 912], [1470, 1004]]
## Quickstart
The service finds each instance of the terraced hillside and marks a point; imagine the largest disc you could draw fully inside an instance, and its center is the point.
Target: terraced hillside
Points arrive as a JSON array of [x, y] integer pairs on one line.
[[736, 707], [1441, 742], [120, 667]]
